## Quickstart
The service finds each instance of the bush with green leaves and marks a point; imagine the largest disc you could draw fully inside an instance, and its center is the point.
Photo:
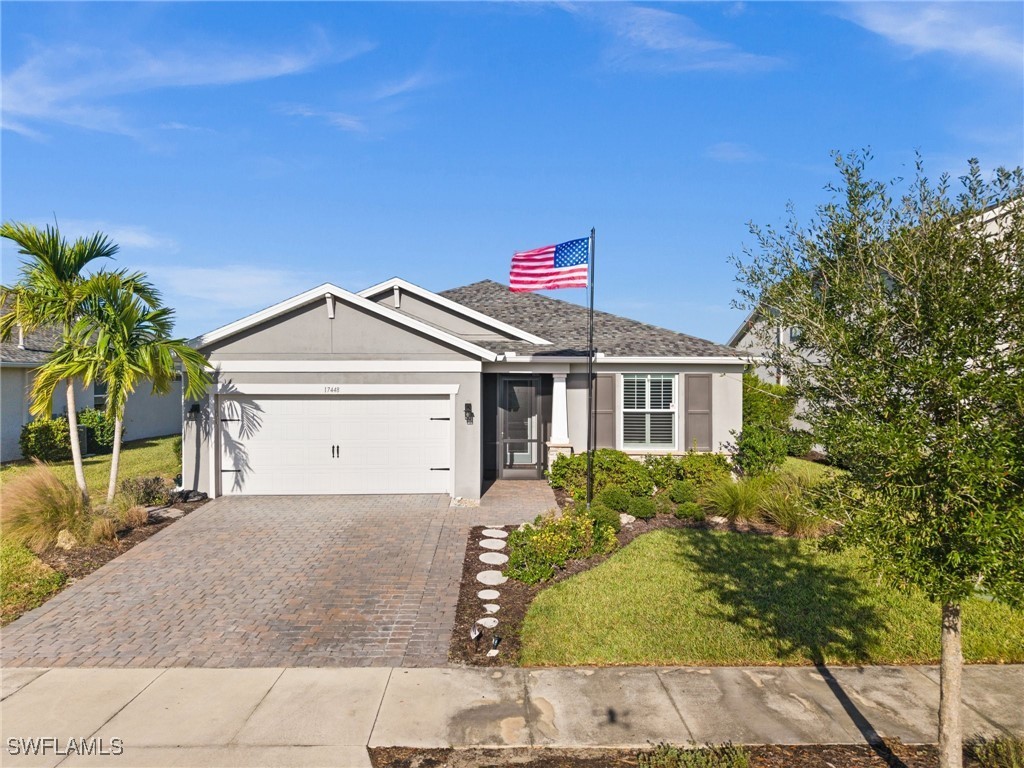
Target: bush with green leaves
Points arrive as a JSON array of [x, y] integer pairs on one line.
[[641, 508], [683, 491], [536, 552], [704, 469], [767, 404], [799, 442], [690, 510], [736, 499], [46, 439], [663, 505], [147, 491], [101, 430], [36, 506], [760, 450], [611, 467], [605, 516], [663, 469], [1001, 752], [615, 498], [709, 756]]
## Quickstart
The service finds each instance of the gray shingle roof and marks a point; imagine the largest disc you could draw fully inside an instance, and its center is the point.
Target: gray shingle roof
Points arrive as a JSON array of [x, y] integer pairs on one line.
[[38, 346], [565, 325]]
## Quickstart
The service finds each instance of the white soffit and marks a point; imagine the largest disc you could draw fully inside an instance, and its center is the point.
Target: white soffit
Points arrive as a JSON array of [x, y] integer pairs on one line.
[[317, 294], [472, 314]]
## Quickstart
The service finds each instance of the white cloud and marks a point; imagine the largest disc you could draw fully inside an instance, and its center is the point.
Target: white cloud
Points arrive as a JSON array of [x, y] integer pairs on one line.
[[662, 41], [976, 31], [732, 152], [70, 84], [342, 120], [231, 286], [127, 236]]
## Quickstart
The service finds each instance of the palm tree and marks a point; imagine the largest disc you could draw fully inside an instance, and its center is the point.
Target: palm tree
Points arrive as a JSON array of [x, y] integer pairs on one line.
[[123, 340], [51, 292]]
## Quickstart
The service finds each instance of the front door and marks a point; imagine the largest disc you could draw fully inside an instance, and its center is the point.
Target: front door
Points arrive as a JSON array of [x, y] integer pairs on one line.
[[521, 442]]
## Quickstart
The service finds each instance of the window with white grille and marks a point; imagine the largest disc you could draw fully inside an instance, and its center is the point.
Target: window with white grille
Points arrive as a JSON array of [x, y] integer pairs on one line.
[[648, 410]]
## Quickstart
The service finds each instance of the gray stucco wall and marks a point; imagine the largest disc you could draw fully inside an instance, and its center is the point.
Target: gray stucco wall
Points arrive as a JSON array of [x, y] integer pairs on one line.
[[443, 318]]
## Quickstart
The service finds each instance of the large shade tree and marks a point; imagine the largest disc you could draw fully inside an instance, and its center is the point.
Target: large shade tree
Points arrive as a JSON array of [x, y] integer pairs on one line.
[[52, 291], [911, 364], [123, 341]]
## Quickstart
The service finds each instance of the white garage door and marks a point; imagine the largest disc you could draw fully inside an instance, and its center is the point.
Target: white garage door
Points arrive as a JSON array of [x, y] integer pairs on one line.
[[307, 445]]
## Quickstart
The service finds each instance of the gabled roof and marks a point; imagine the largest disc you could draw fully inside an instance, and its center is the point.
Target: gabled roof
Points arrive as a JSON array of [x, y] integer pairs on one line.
[[37, 348], [318, 294], [452, 306], [565, 325]]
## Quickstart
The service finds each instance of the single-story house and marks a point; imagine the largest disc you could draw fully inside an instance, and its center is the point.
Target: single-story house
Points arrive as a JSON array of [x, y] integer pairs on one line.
[[396, 389], [146, 415]]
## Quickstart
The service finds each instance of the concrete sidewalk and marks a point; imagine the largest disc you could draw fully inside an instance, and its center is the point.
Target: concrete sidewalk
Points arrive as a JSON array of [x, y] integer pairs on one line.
[[328, 717]]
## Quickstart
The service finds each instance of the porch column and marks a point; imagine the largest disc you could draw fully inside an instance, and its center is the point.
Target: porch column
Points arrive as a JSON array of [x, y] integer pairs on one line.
[[559, 442]]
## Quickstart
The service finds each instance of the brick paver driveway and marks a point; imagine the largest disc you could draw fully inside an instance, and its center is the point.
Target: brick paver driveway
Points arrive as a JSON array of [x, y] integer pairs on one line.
[[265, 581]]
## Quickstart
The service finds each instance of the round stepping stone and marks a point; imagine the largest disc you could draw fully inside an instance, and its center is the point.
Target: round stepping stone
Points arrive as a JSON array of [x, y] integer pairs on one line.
[[491, 578], [493, 558], [488, 622], [488, 594], [495, 533], [491, 607], [492, 544]]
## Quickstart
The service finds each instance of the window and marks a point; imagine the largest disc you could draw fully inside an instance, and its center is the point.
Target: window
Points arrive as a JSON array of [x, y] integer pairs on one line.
[[99, 395], [648, 410]]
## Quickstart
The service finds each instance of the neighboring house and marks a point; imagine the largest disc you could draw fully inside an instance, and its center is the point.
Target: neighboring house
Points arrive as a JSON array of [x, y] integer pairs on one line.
[[400, 390], [146, 415]]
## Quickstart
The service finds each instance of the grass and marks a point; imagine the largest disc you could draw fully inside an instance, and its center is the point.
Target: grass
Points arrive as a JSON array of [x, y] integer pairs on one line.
[[708, 598], [811, 471], [139, 458], [25, 581]]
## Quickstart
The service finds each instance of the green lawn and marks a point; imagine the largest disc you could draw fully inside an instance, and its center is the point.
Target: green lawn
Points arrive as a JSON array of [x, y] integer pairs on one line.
[[139, 458], [25, 581], [696, 597], [809, 470]]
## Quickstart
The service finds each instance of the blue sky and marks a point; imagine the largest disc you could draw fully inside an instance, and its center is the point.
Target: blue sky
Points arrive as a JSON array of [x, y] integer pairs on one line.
[[241, 153]]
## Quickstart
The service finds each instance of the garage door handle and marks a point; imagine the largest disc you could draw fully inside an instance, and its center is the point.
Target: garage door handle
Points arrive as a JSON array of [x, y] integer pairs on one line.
[[440, 418], [440, 469], [231, 470]]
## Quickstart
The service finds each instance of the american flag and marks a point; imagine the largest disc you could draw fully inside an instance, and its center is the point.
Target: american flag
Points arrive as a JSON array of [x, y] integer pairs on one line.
[[553, 266]]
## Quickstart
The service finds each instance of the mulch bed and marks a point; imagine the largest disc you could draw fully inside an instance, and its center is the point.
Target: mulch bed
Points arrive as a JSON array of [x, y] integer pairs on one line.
[[81, 561], [516, 597], [890, 755]]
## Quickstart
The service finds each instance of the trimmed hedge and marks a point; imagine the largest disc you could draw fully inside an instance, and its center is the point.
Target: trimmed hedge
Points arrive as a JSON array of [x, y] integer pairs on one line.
[[101, 430], [611, 467], [46, 439]]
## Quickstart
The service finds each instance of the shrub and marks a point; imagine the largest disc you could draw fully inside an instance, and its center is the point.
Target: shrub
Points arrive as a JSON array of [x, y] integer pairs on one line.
[[145, 491], [663, 470], [799, 442], [663, 505], [615, 498], [761, 449], [101, 430], [605, 516], [642, 509], [37, 506], [766, 404], [683, 491], [710, 756], [535, 552], [46, 440], [611, 467], [787, 504], [176, 445], [1003, 752], [736, 499], [704, 469], [102, 530], [690, 510]]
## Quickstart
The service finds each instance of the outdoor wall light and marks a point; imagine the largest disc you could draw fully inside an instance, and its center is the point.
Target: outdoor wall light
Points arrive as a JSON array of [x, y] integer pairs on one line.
[[194, 411], [469, 413]]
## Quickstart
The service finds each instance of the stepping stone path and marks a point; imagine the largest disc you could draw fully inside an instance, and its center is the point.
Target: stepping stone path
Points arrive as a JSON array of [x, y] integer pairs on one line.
[[493, 538]]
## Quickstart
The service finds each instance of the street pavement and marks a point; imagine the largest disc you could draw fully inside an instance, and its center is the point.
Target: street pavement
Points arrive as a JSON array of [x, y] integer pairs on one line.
[[329, 716]]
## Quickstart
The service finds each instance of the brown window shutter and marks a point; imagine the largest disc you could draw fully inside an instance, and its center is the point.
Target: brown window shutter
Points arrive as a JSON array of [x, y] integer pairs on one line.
[[698, 411]]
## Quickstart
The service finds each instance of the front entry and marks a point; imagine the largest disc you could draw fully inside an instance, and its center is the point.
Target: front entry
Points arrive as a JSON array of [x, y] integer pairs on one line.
[[520, 428]]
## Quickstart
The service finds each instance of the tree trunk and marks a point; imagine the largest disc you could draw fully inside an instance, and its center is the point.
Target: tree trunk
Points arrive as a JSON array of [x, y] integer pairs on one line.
[[950, 672], [115, 459], [76, 447]]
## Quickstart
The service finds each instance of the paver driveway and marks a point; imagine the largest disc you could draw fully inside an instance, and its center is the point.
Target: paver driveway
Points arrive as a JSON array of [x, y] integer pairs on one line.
[[265, 581]]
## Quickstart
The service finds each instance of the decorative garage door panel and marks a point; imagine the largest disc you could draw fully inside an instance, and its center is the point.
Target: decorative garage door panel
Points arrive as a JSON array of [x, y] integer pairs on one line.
[[310, 445]]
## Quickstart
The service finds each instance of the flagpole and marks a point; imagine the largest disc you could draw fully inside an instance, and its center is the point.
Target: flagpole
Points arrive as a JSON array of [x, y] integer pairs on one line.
[[591, 427]]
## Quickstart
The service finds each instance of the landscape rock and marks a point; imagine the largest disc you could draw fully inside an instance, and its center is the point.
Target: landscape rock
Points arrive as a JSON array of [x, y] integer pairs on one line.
[[66, 540], [626, 519]]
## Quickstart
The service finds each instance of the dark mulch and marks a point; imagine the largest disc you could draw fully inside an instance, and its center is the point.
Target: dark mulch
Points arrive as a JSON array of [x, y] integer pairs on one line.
[[516, 597], [891, 755], [81, 561]]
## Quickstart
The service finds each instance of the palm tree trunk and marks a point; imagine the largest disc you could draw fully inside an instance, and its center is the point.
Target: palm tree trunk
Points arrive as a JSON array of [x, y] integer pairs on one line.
[[115, 459], [76, 447], [950, 672]]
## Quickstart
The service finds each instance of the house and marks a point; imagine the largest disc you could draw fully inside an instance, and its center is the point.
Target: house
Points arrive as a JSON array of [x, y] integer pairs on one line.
[[396, 389], [146, 415]]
